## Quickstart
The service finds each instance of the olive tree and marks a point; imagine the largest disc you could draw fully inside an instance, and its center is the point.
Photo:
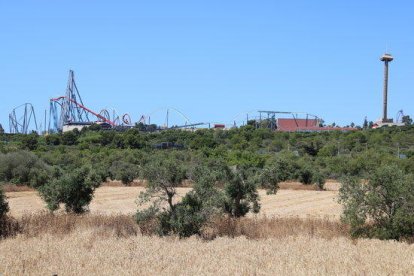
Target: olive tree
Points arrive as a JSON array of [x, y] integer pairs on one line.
[[241, 194], [23, 167], [199, 205], [382, 206], [73, 189], [164, 175], [124, 171]]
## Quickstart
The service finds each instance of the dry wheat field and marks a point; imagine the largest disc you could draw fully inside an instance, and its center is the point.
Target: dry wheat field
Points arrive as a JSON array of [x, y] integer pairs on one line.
[[297, 233], [114, 200], [85, 253]]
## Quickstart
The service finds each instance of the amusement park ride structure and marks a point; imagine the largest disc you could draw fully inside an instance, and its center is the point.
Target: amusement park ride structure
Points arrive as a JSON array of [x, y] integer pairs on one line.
[[69, 112], [22, 119]]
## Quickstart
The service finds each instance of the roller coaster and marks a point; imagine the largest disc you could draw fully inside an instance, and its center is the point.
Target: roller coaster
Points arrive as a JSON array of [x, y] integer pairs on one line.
[[70, 110], [22, 119]]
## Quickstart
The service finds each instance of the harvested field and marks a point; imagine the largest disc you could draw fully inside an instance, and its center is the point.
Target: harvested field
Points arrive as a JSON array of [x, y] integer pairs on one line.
[[83, 252], [96, 244], [114, 200]]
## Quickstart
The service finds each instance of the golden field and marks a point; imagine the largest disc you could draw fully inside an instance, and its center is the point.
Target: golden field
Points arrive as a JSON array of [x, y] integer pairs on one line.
[[296, 233], [83, 252], [122, 200]]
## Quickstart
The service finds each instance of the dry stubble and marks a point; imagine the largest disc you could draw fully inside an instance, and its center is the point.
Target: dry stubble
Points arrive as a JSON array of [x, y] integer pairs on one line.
[[82, 252]]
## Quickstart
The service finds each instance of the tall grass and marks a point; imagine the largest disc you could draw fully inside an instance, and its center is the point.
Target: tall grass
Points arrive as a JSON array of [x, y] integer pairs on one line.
[[65, 244], [83, 252], [264, 228], [35, 225]]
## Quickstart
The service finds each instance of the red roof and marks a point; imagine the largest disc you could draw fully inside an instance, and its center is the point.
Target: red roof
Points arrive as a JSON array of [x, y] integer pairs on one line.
[[306, 125], [297, 124]]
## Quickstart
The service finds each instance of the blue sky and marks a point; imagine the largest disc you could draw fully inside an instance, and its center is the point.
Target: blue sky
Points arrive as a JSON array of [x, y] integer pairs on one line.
[[212, 60]]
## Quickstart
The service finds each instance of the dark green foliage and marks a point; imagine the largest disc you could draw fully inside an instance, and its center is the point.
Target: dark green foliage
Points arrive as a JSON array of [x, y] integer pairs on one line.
[[319, 179], [187, 217], [73, 189], [267, 158], [23, 168], [312, 174], [148, 221], [407, 120], [53, 139], [133, 139], [8, 226], [306, 175], [164, 174], [241, 193], [4, 206], [336, 153], [275, 171], [199, 205], [69, 138], [124, 171], [30, 141], [383, 207]]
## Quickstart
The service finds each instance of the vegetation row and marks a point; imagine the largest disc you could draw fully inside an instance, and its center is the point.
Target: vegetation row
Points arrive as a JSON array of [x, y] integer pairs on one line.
[[225, 168]]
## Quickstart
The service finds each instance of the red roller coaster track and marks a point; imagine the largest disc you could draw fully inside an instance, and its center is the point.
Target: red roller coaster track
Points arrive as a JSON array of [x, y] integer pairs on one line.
[[84, 108]]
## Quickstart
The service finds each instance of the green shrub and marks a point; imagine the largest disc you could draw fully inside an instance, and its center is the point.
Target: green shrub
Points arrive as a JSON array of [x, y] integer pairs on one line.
[[185, 220], [275, 171], [70, 138], [23, 167], [319, 179], [8, 225], [241, 193], [124, 171], [30, 141], [187, 217], [52, 139], [382, 207], [4, 206], [74, 190], [148, 221], [306, 175]]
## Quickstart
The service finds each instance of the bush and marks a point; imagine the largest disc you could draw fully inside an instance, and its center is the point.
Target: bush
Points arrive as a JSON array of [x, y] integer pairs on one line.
[[147, 221], [30, 141], [4, 206], [274, 172], [8, 226], [53, 139], [241, 193], [382, 207], [306, 175], [23, 167], [189, 216], [70, 138], [75, 190], [318, 178], [124, 171]]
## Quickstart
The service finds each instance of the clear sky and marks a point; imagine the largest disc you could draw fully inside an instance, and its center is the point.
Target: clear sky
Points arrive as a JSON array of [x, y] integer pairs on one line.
[[213, 60]]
